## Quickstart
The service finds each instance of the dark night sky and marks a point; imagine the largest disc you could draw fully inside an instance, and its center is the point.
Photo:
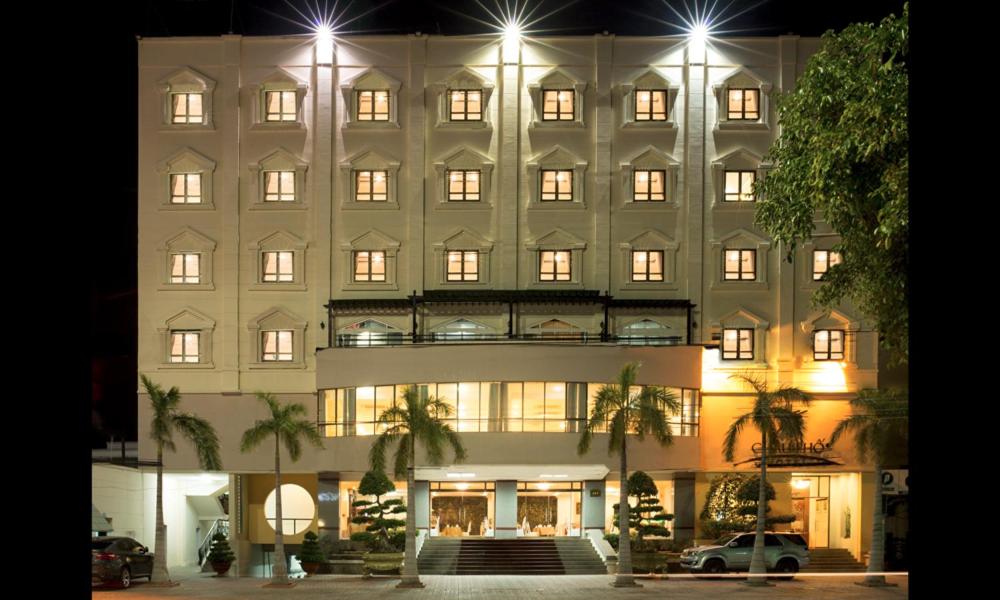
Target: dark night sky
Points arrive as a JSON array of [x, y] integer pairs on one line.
[[112, 290]]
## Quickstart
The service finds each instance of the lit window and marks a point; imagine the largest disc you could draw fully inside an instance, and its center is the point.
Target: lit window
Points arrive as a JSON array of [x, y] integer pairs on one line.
[[647, 265], [186, 108], [371, 186], [280, 106], [463, 186], [648, 186], [554, 265], [277, 345], [741, 265], [185, 268], [373, 105], [557, 105], [737, 344], [744, 104], [184, 346], [739, 186], [828, 344], [822, 261], [279, 186], [463, 265], [185, 188], [465, 105], [651, 105], [557, 185], [369, 266], [278, 266]]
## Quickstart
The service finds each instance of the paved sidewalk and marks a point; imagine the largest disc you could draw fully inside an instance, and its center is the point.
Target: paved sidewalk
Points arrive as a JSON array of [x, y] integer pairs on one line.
[[483, 587]]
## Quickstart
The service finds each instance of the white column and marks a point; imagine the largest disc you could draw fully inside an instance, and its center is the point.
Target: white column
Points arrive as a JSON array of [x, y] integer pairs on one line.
[[227, 202], [698, 273], [506, 510], [785, 352], [415, 165], [508, 167], [422, 504], [604, 126], [593, 506], [321, 174]]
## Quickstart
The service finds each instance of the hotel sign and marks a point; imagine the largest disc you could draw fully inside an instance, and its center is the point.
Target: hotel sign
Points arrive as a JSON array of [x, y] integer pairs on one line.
[[803, 454]]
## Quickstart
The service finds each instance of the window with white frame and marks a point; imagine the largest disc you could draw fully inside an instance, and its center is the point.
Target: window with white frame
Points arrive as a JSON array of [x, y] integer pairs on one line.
[[463, 186], [649, 185], [554, 265], [371, 186], [557, 185], [279, 105], [187, 108], [369, 333], [279, 186], [743, 104], [276, 346], [278, 266], [651, 105], [739, 186], [185, 188], [463, 265], [184, 346], [369, 265], [465, 105], [647, 265], [822, 261], [461, 329], [740, 265], [185, 267], [557, 105], [737, 344], [647, 332], [373, 105], [828, 344]]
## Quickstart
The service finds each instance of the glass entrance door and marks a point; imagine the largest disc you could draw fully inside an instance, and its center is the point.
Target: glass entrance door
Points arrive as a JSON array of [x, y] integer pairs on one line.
[[549, 509], [811, 507], [462, 509]]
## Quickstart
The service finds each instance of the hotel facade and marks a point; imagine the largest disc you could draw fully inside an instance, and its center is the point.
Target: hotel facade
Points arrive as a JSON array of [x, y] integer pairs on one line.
[[505, 223]]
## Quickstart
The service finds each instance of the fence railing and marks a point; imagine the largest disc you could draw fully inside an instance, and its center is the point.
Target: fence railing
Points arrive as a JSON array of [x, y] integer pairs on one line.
[[583, 337], [206, 545]]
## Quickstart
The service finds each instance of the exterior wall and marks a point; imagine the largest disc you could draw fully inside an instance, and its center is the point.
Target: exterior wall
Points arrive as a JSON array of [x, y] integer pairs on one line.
[[118, 493]]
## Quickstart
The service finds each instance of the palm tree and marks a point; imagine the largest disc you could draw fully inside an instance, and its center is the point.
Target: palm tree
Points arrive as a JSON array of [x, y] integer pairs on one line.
[[288, 429], [880, 428], [775, 417], [627, 410], [166, 419], [416, 419]]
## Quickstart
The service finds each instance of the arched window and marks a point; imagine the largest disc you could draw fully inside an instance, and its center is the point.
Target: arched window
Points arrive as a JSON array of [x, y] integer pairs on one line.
[[461, 329], [369, 333], [556, 329], [647, 332]]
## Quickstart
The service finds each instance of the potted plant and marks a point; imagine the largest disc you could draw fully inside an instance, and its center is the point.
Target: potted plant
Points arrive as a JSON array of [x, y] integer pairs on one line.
[[382, 535], [220, 555], [646, 518], [311, 555]]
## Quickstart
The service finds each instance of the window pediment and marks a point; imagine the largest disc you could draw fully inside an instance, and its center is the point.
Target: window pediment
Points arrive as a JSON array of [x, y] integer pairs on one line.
[[372, 79], [277, 318], [829, 319], [741, 318], [372, 240], [370, 159], [651, 239], [741, 77], [191, 319], [187, 239], [557, 77], [279, 240], [740, 158], [744, 237], [557, 157], [464, 158], [279, 160], [557, 239], [186, 160], [464, 239]]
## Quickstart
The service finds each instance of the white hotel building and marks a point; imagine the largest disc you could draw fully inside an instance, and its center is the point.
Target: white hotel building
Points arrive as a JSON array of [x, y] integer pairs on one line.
[[505, 222]]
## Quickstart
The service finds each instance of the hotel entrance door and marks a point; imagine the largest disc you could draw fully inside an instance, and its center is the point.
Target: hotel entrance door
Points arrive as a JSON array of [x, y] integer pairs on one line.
[[549, 509], [462, 509], [811, 507]]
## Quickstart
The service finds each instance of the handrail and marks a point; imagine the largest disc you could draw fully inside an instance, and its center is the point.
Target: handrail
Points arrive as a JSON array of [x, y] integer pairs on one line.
[[344, 340]]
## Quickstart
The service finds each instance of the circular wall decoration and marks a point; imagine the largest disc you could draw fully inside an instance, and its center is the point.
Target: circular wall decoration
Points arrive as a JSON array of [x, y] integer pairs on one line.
[[297, 509]]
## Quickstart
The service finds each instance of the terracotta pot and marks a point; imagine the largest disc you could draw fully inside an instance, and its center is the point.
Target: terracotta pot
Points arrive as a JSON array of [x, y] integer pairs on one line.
[[221, 568], [310, 568]]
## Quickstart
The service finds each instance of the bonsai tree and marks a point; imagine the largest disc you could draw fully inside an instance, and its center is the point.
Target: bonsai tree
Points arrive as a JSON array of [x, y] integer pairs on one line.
[[647, 516], [220, 553], [414, 418], [285, 424], [167, 419], [311, 555], [377, 514], [880, 425], [622, 411], [776, 418], [731, 505]]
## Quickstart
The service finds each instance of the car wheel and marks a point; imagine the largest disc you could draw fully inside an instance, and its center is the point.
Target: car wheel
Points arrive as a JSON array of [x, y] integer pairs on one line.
[[788, 565], [126, 578], [714, 566]]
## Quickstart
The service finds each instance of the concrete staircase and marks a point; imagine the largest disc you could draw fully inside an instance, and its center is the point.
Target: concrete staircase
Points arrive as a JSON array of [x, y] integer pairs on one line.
[[519, 556], [832, 560]]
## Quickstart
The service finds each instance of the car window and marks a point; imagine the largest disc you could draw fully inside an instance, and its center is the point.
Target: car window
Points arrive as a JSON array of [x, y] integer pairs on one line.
[[722, 541], [100, 545], [795, 539], [745, 541], [771, 540]]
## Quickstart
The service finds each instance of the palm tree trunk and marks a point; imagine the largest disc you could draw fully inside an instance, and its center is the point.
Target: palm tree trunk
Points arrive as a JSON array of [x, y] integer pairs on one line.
[[876, 561], [279, 570], [758, 568], [624, 577], [160, 573], [411, 578]]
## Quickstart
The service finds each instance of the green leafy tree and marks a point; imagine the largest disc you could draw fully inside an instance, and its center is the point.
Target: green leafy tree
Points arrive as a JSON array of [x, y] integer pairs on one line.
[[311, 551], [880, 425], [843, 154], [647, 516], [774, 415], [220, 551], [731, 505], [167, 418], [286, 424], [381, 527], [417, 418], [624, 408]]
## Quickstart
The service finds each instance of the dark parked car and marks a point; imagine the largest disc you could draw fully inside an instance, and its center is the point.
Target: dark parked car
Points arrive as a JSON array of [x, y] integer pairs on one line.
[[119, 560], [783, 552]]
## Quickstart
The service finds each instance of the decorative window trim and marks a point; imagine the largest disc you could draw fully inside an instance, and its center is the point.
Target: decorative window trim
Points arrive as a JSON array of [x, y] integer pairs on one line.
[[556, 78], [622, 324], [345, 331], [368, 160], [186, 161], [556, 159], [557, 239], [740, 239], [278, 160], [187, 80], [186, 240], [464, 159], [439, 331], [650, 79], [744, 319], [831, 319], [279, 241], [650, 239], [463, 239], [650, 158], [370, 79], [463, 79], [740, 159], [279, 80], [193, 320], [741, 77], [372, 241], [805, 256], [277, 319]]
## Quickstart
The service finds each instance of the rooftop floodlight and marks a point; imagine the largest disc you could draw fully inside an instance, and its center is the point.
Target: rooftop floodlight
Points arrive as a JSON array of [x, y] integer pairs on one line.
[[324, 43], [699, 33], [511, 41]]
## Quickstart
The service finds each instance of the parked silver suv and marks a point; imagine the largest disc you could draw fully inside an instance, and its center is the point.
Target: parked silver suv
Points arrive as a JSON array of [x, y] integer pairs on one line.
[[783, 552]]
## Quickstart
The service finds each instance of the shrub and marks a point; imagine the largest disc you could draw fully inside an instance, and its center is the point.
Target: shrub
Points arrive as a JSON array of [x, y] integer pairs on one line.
[[311, 551], [382, 530], [220, 551]]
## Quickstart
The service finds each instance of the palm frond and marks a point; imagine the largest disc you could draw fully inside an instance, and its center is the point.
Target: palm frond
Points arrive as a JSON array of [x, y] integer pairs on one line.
[[456, 445], [401, 460], [788, 395], [617, 430], [203, 436], [254, 436], [376, 456], [733, 434]]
